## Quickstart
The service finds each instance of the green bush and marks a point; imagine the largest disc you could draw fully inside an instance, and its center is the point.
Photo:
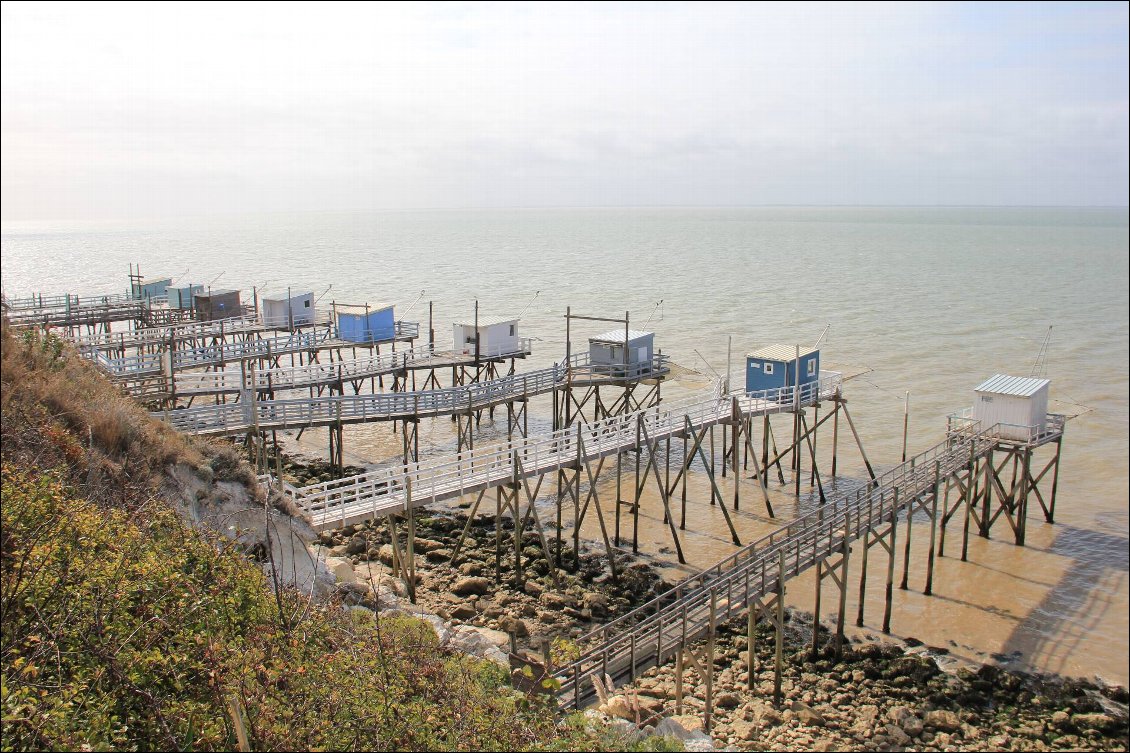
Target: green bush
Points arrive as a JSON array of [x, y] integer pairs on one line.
[[135, 631]]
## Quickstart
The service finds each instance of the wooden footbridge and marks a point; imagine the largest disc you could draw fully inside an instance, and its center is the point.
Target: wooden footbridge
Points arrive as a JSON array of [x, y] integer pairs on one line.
[[252, 415], [394, 491], [750, 583]]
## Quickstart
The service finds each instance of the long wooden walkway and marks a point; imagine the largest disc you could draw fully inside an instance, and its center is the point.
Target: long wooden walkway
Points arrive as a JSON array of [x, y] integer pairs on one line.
[[392, 491], [262, 415], [743, 581], [340, 372]]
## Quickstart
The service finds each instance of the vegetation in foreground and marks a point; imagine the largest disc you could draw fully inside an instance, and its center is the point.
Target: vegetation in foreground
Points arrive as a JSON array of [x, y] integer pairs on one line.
[[123, 627]]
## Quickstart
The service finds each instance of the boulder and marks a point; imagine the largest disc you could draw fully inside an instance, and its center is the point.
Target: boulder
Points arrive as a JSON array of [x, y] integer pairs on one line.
[[1095, 721], [463, 612], [684, 727], [533, 588], [596, 603], [806, 715], [896, 735], [553, 601], [342, 569], [515, 626], [469, 585], [727, 700], [356, 545], [744, 731], [943, 720], [427, 545]]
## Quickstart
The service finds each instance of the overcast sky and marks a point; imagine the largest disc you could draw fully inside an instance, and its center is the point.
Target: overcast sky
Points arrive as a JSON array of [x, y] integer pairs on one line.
[[152, 109]]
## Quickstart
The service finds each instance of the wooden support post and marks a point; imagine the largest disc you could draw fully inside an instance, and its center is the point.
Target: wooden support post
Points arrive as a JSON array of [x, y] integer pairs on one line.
[[889, 596], [867, 541], [1050, 517], [858, 442], [933, 526], [751, 654], [815, 648], [842, 614], [779, 659], [709, 659], [679, 669], [906, 546]]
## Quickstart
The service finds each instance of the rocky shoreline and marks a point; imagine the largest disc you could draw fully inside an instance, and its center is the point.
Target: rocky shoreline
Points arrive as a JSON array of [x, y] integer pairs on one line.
[[875, 696]]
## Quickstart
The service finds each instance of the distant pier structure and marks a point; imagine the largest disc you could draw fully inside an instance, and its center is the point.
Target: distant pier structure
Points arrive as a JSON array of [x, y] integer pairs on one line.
[[998, 457]]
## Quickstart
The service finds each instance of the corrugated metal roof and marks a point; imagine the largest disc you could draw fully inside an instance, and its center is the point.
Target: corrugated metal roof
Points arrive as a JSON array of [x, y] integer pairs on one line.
[[280, 295], [780, 352], [617, 336], [1002, 384], [487, 321], [207, 293]]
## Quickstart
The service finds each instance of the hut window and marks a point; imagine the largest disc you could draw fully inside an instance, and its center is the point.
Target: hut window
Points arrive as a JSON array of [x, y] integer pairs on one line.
[[768, 368], [306, 303], [812, 367], [511, 330]]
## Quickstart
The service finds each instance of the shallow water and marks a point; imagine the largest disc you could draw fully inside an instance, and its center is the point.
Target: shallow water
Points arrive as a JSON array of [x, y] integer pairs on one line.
[[931, 301]]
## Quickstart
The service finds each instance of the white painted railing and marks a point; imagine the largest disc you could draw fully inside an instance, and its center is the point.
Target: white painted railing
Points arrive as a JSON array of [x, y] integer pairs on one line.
[[275, 414], [376, 493], [654, 631]]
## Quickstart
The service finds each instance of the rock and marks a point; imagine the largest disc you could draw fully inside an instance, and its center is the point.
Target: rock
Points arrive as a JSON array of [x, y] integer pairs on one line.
[[807, 715], [533, 588], [471, 568], [896, 735], [553, 601], [515, 626], [481, 642], [356, 545], [727, 701], [913, 726], [438, 555], [943, 720], [744, 731], [899, 714], [468, 585], [680, 727], [1095, 721], [596, 603], [822, 746], [427, 545], [942, 740], [464, 612], [342, 569]]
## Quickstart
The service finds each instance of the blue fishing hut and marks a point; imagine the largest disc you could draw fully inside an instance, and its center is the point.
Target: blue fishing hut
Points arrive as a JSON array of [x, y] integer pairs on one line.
[[180, 297], [365, 325], [147, 291], [775, 367]]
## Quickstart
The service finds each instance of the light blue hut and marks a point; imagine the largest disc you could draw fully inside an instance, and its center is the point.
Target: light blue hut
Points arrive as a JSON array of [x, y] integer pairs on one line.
[[607, 351], [180, 297], [365, 325], [775, 367], [154, 289]]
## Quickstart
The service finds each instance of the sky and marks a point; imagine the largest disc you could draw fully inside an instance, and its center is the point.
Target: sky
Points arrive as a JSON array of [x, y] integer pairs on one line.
[[167, 109]]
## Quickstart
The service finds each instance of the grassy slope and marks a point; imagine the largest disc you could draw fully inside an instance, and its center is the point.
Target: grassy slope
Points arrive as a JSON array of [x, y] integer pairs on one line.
[[125, 628]]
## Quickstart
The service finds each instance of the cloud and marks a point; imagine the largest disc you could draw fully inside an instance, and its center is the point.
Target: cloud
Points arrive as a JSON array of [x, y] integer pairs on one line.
[[156, 109]]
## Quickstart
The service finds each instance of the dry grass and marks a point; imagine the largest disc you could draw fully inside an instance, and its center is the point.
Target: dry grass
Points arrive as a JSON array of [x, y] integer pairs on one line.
[[58, 410]]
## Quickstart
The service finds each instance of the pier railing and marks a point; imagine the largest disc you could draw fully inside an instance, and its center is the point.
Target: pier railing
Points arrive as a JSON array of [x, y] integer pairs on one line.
[[377, 493], [247, 414], [655, 631]]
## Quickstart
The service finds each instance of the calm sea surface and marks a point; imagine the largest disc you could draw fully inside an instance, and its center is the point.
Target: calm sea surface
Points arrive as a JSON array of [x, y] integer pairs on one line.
[[931, 301]]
